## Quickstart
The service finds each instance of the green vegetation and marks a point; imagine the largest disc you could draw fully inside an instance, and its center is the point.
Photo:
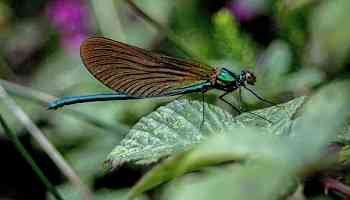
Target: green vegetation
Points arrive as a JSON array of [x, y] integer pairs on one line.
[[158, 148]]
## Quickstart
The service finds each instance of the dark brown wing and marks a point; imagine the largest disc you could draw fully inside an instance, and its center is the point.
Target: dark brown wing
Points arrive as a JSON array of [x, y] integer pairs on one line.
[[138, 72]]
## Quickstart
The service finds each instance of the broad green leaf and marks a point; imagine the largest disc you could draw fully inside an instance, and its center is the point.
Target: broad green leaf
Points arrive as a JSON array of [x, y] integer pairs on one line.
[[177, 127], [233, 145], [324, 116], [254, 180], [168, 130], [290, 157], [281, 115]]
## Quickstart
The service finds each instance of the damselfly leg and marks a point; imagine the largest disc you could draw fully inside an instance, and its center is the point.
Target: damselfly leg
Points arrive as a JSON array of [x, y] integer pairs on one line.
[[239, 111]]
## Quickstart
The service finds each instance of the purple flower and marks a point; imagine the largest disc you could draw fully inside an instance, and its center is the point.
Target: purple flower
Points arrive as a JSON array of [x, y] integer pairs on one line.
[[244, 10], [71, 19]]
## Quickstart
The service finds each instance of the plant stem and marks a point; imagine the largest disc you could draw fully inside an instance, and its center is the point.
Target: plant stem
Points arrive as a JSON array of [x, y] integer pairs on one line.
[[29, 159], [43, 98], [163, 30], [335, 185], [50, 150]]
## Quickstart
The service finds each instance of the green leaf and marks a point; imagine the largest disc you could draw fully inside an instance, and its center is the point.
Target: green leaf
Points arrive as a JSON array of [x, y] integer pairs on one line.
[[303, 79], [296, 4], [324, 115], [87, 159], [177, 127], [256, 180], [274, 66], [168, 130], [344, 136], [232, 145], [280, 160], [232, 43], [291, 23], [281, 115], [277, 60], [69, 193], [330, 41]]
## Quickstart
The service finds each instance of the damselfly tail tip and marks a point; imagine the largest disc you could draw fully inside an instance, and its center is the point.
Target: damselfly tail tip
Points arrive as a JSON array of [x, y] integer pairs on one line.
[[53, 105]]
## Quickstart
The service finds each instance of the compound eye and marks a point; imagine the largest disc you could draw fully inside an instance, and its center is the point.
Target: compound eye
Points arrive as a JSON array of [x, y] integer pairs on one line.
[[251, 79]]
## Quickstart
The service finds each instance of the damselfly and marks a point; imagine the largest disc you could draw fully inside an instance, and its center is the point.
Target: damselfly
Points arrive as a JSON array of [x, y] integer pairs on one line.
[[135, 73]]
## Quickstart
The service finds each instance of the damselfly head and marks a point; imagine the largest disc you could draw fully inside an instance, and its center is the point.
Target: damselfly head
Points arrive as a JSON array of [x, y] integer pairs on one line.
[[249, 77]]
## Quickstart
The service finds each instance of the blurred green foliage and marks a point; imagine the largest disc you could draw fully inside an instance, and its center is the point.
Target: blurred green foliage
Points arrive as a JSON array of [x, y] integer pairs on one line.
[[293, 46]]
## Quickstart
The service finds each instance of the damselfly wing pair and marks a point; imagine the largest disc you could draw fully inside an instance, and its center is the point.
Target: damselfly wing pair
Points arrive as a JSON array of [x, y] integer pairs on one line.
[[135, 73]]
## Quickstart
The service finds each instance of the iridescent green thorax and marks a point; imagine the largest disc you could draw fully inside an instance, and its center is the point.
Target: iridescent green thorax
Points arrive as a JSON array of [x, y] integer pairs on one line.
[[225, 77]]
